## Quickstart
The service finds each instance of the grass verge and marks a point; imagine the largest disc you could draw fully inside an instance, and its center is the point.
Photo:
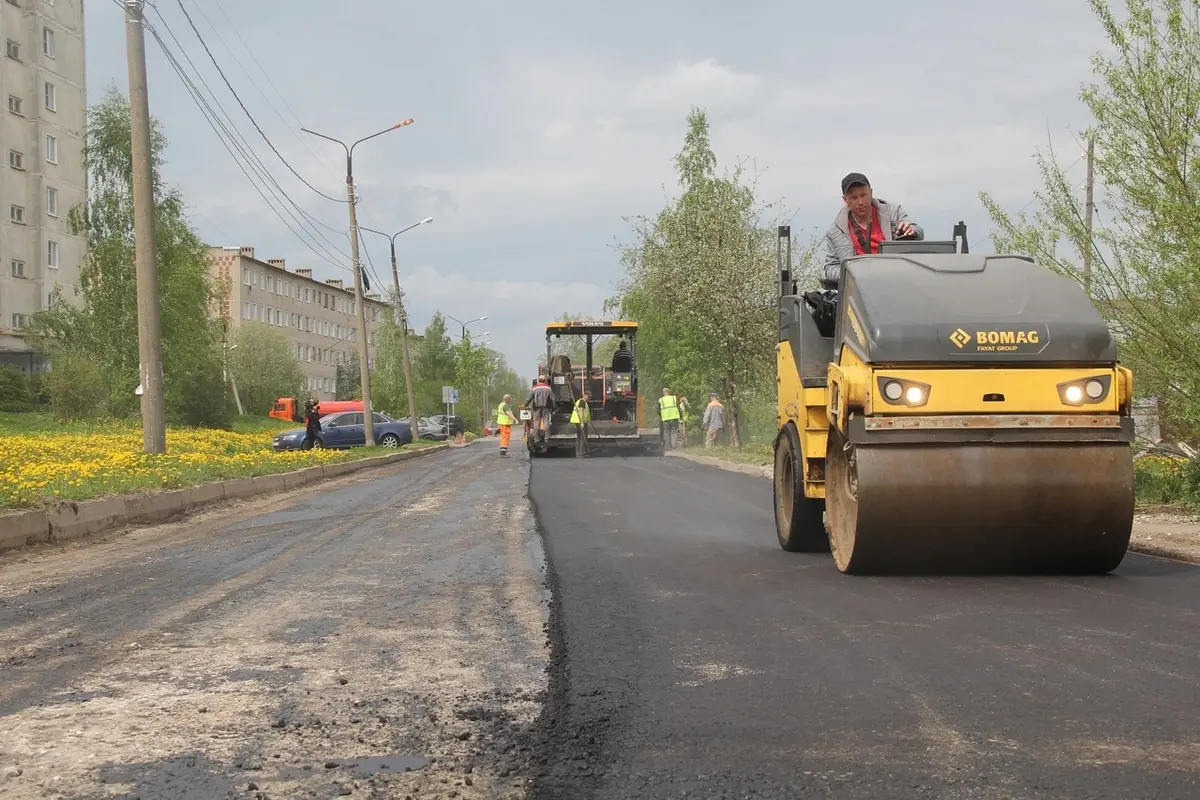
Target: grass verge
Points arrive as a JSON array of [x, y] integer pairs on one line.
[[42, 461]]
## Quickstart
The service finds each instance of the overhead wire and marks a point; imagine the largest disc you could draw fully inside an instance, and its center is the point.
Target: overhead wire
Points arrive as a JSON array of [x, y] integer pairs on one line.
[[266, 172], [303, 141], [249, 116], [316, 153], [229, 141]]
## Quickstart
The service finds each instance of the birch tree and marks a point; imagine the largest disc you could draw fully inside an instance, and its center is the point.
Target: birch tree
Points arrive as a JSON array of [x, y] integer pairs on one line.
[[701, 280], [100, 326], [1145, 248]]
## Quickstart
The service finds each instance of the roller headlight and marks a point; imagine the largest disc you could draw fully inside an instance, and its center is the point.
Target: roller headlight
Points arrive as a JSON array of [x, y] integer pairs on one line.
[[900, 392], [1085, 390]]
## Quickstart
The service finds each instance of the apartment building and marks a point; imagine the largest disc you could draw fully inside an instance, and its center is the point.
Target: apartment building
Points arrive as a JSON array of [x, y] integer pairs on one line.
[[42, 128], [318, 318]]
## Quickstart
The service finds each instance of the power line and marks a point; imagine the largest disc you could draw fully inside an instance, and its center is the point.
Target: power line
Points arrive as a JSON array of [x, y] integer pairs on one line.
[[250, 116], [304, 142], [255, 164]]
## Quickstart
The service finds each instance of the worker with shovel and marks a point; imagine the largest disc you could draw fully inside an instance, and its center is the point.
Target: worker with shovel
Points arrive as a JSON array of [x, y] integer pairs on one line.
[[581, 415]]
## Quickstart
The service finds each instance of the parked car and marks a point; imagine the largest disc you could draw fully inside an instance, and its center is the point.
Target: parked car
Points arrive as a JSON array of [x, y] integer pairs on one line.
[[490, 428], [347, 429], [428, 429], [451, 425]]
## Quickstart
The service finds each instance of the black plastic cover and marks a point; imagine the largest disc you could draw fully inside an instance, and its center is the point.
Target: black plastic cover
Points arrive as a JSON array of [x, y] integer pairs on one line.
[[930, 308]]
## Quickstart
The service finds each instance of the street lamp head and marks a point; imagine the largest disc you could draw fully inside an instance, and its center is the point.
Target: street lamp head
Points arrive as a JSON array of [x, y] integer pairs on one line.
[[481, 319], [427, 220], [408, 121]]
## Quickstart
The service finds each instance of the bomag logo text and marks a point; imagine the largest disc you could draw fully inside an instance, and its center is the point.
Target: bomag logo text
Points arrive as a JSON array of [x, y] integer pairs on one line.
[[1009, 341]]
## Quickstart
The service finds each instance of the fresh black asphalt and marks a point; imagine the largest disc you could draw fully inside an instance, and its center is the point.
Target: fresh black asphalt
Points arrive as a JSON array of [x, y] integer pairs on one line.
[[692, 657]]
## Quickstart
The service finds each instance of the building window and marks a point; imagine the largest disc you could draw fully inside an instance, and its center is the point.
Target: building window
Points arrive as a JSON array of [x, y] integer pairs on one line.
[[12, 50], [17, 214], [16, 160], [51, 97], [51, 149], [14, 105], [52, 254], [52, 201], [18, 321], [18, 268], [48, 42]]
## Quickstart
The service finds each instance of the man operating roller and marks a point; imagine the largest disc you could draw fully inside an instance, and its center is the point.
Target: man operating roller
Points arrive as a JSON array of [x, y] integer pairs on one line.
[[862, 223]]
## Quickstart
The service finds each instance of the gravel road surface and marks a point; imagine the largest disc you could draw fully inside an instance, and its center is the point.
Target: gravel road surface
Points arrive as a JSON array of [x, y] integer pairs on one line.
[[312, 644], [694, 658]]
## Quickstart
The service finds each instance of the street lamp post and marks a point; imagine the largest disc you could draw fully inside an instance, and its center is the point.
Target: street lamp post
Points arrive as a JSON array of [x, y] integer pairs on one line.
[[465, 324], [364, 369], [412, 395]]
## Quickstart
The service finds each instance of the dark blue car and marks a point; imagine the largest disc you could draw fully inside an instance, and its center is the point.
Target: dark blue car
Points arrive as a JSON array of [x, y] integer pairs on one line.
[[346, 429]]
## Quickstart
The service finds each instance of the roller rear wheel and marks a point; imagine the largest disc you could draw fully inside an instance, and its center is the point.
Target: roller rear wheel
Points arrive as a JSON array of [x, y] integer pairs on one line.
[[798, 519]]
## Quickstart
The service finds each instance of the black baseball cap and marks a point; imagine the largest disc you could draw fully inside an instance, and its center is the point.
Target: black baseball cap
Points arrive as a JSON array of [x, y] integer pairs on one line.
[[853, 179]]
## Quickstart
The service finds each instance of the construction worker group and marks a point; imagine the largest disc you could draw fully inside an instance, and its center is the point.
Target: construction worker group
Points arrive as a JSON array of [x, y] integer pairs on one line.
[[673, 410]]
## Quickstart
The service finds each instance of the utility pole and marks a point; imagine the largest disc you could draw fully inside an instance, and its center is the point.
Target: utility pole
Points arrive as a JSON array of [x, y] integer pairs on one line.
[[154, 427], [403, 322], [1089, 206], [364, 368]]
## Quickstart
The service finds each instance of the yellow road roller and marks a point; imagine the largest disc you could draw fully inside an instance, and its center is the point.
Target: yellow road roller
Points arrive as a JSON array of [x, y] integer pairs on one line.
[[942, 412]]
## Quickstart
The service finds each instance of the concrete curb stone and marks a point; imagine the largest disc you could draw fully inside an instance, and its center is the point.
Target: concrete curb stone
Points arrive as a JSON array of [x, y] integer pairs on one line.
[[72, 520]]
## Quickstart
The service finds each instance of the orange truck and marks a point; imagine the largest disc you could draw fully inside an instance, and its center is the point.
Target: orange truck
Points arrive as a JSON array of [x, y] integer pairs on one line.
[[292, 409]]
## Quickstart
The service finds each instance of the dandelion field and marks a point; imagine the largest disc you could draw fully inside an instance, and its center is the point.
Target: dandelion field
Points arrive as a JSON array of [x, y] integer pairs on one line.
[[41, 460]]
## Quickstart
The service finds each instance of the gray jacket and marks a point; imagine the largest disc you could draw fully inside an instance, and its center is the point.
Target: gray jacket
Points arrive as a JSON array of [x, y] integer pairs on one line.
[[714, 417], [837, 239]]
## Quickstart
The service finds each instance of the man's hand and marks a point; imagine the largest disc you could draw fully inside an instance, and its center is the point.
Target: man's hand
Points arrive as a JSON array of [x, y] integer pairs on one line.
[[905, 230]]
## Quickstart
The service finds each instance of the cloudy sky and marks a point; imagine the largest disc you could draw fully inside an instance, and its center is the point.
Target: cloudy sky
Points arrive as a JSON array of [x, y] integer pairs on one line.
[[541, 125]]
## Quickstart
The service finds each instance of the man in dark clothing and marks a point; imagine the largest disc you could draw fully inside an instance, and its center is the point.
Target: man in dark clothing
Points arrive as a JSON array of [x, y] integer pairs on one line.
[[312, 423], [541, 402], [622, 359]]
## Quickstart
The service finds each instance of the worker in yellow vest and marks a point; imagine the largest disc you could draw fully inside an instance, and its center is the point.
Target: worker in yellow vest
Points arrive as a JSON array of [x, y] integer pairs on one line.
[[581, 415], [505, 418], [668, 412]]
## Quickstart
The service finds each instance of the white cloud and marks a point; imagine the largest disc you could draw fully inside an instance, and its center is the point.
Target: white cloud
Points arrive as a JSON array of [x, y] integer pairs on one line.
[[516, 310], [592, 137]]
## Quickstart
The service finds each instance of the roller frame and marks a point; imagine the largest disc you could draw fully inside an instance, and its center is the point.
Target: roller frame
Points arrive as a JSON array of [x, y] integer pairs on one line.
[[918, 475]]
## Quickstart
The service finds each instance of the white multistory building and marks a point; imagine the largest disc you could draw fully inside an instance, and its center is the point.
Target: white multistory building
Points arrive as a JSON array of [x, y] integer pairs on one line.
[[42, 129]]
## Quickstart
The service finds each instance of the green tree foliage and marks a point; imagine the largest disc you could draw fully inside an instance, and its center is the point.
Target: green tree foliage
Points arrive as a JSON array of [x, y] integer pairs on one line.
[[389, 390], [434, 366], [701, 280], [1145, 249], [265, 367], [15, 393], [101, 325], [347, 380]]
